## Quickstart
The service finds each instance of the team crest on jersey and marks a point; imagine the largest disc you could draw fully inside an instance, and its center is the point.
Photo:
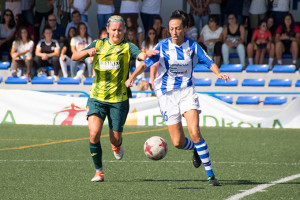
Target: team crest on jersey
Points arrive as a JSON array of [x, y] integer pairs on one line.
[[117, 49], [189, 52]]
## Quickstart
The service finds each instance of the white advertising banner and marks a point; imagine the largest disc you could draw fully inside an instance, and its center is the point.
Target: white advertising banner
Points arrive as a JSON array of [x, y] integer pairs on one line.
[[31, 107]]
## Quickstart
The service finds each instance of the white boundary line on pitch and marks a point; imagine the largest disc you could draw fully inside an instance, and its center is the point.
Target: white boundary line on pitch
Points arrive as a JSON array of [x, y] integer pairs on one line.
[[160, 161], [261, 187]]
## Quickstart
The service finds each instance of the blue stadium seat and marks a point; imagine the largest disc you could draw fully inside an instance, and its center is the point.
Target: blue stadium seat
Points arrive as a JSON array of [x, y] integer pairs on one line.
[[284, 68], [49, 68], [231, 68], [69, 81], [88, 81], [227, 99], [259, 82], [287, 56], [4, 65], [280, 83], [83, 95], [257, 68], [42, 80], [230, 82], [202, 82], [201, 68], [247, 100], [1, 78], [16, 80], [297, 84], [233, 55], [137, 81], [276, 100], [294, 98]]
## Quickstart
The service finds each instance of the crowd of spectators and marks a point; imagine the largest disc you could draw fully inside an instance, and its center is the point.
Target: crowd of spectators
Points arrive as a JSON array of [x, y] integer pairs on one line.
[[250, 28]]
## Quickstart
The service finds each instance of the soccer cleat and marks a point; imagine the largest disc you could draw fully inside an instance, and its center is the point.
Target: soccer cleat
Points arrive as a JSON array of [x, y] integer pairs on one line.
[[118, 152], [99, 177], [212, 180], [196, 159]]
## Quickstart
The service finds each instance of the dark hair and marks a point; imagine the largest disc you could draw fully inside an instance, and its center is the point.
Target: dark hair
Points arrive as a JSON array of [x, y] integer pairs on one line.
[[19, 34], [214, 18], [47, 27], [68, 36], [181, 15], [133, 22], [86, 35], [12, 21], [191, 20], [75, 12], [262, 21], [147, 39], [133, 30], [284, 28], [22, 21], [235, 16], [157, 17], [101, 31]]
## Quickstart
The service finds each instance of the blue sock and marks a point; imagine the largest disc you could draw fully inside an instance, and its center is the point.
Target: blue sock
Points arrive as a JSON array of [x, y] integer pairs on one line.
[[189, 144], [203, 153], [96, 153]]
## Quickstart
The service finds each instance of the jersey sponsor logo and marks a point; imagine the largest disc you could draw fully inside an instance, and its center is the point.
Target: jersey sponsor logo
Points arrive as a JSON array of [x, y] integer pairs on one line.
[[93, 154], [109, 65]]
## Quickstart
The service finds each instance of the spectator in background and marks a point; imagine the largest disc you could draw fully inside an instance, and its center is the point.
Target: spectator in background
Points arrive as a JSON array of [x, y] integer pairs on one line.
[[63, 12], [261, 43], [233, 38], [143, 86], [131, 22], [131, 36], [235, 7], [78, 43], [279, 9], [150, 41], [47, 52], [43, 8], [103, 33], [271, 27], [21, 21], [104, 11], [27, 10], [14, 5], [76, 20], [200, 11], [211, 37], [57, 29], [129, 8], [150, 8], [287, 38], [191, 31], [82, 6], [215, 8], [160, 30], [258, 10], [7, 29], [66, 52], [21, 52]]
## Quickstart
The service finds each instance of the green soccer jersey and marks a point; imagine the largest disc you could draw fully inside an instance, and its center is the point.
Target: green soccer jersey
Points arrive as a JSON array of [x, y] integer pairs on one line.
[[111, 65]]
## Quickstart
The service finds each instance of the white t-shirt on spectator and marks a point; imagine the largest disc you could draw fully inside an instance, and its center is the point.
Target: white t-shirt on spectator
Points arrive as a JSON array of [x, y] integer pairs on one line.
[[215, 8], [80, 43], [21, 47], [209, 34], [150, 46], [129, 7], [151, 7], [281, 5], [80, 5], [105, 9], [258, 7]]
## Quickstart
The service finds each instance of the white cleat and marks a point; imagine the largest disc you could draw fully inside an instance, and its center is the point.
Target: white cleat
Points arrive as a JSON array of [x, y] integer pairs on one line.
[[118, 152], [99, 177]]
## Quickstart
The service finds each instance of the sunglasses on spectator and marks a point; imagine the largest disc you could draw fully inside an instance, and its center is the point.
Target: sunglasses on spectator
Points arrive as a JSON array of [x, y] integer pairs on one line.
[[211, 20], [231, 18], [52, 20], [151, 33], [264, 25], [9, 15]]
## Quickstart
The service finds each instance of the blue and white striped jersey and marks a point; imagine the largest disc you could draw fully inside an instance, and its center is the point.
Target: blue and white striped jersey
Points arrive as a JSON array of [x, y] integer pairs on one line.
[[176, 64]]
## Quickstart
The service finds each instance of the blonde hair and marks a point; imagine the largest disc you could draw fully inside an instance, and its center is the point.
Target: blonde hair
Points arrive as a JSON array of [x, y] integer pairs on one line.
[[143, 84], [115, 18]]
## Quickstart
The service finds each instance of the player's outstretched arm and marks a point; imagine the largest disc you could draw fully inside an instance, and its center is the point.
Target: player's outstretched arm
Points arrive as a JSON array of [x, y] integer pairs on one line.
[[148, 54], [81, 55], [141, 68], [214, 68]]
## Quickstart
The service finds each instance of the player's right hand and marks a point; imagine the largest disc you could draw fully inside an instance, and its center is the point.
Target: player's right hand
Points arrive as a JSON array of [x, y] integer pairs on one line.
[[129, 83]]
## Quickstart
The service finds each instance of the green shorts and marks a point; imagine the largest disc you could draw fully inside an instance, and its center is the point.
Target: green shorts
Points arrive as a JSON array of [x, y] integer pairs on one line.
[[115, 112]]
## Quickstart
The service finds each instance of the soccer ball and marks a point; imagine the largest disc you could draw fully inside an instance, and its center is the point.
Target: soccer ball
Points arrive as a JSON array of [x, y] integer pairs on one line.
[[155, 148]]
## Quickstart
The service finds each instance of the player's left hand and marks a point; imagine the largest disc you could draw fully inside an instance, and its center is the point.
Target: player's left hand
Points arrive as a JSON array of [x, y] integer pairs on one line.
[[223, 76]]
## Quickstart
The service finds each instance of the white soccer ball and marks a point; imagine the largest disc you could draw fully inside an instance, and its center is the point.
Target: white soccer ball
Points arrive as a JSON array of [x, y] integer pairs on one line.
[[155, 148]]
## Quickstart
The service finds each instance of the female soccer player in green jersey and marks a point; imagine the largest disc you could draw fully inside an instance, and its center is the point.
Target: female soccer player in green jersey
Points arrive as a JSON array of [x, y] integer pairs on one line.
[[108, 96]]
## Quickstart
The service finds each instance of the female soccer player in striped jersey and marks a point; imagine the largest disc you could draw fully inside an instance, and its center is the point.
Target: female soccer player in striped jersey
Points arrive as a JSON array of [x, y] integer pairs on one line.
[[109, 95], [174, 88]]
